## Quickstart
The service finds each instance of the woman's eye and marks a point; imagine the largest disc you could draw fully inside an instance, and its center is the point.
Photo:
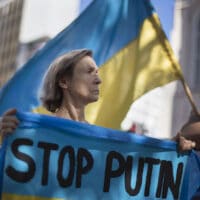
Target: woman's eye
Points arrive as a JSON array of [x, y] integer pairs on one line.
[[90, 70]]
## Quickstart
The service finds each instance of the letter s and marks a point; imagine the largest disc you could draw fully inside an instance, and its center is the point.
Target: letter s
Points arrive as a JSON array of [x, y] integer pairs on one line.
[[18, 175]]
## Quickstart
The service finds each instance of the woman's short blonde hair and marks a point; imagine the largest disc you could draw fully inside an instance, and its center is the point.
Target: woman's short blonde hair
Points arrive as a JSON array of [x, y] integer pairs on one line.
[[63, 66]]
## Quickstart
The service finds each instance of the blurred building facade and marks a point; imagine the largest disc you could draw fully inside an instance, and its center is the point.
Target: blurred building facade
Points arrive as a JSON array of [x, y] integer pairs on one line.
[[26, 50], [10, 19], [41, 23], [186, 44], [25, 26], [46, 18]]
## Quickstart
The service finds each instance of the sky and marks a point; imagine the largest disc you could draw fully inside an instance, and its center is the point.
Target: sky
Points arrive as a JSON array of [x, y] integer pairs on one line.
[[164, 8]]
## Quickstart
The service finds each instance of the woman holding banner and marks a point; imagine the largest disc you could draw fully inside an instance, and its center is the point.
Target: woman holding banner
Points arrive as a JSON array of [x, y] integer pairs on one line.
[[71, 83]]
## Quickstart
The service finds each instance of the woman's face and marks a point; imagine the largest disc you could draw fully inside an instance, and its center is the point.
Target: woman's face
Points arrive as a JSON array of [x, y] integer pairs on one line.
[[84, 84]]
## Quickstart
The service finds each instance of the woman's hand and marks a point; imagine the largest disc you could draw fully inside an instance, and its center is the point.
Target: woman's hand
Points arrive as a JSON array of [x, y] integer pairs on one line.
[[8, 123]]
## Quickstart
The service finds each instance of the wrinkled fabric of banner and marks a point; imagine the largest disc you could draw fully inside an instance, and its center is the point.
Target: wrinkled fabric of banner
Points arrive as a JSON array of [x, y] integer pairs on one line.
[[50, 158]]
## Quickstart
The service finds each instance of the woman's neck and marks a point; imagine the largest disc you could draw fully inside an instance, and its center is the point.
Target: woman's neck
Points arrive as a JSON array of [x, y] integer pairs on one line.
[[70, 111]]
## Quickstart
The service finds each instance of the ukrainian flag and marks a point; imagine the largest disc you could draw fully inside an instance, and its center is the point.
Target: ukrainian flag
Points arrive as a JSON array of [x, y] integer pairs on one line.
[[129, 46]]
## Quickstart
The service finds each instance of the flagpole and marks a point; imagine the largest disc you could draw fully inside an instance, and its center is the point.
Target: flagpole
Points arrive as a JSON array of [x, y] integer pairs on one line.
[[162, 37], [189, 95], [186, 87]]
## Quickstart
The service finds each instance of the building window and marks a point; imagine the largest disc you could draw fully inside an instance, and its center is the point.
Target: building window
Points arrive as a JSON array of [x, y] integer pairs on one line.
[[197, 57]]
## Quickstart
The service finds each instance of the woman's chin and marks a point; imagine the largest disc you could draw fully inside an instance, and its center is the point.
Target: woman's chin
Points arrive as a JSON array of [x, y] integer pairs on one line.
[[94, 98]]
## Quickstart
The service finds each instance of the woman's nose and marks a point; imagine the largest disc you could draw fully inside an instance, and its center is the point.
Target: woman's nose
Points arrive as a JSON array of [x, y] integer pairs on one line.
[[97, 79]]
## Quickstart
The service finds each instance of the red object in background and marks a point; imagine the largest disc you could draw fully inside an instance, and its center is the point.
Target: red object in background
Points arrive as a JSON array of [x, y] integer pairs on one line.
[[133, 128]]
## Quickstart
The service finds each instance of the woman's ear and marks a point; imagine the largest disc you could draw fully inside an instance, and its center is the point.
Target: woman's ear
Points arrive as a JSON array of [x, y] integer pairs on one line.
[[63, 83]]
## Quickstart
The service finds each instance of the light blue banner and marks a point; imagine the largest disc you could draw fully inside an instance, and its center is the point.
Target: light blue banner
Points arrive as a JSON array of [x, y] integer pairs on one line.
[[57, 158]]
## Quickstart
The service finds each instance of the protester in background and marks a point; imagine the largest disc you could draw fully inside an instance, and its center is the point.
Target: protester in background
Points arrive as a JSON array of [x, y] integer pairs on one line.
[[71, 83]]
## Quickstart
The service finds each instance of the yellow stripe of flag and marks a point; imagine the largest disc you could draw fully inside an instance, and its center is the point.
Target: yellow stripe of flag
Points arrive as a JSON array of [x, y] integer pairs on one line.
[[145, 63], [6, 196]]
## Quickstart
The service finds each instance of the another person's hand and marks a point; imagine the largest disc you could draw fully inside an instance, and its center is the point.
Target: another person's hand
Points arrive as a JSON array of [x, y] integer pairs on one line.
[[183, 143], [8, 123], [191, 130]]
